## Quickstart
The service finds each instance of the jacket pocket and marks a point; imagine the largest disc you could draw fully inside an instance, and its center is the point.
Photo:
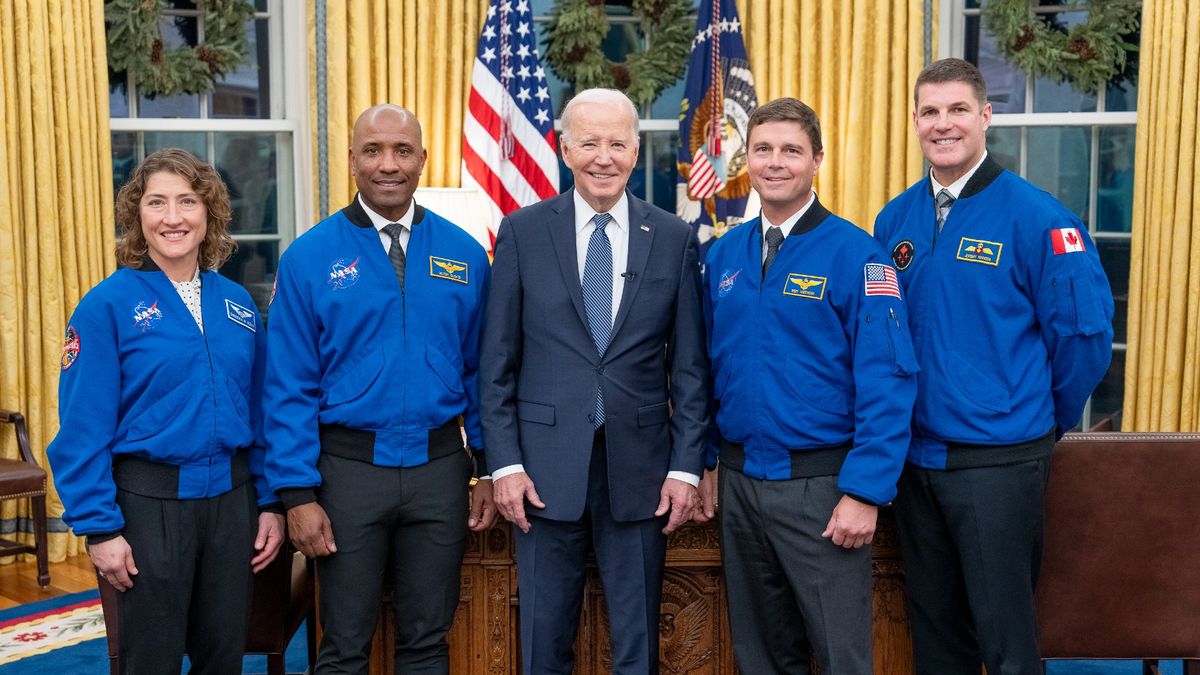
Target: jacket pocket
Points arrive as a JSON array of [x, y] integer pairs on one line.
[[977, 387], [450, 376], [904, 360], [815, 393], [161, 411], [652, 415], [1077, 307], [538, 413], [238, 401], [356, 380]]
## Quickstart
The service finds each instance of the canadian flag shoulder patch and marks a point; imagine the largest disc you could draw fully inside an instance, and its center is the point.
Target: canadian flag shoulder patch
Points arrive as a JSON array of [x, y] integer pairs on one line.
[[1066, 240]]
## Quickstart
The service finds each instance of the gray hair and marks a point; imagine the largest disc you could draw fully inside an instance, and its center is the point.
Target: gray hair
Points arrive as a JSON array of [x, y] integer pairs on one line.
[[598, 95]]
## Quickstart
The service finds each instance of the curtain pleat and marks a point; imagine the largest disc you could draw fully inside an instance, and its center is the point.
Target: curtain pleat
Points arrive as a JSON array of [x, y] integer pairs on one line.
[[56, 213], [1162, 370]]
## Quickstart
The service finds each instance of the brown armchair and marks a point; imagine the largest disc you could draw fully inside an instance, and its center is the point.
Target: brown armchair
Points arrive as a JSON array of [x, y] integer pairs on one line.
[[283, 598], [1119, 577], [20, 478]]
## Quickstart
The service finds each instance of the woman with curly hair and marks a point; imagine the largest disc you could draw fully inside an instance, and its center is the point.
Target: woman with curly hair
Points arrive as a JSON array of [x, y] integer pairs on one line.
[[159, 456]]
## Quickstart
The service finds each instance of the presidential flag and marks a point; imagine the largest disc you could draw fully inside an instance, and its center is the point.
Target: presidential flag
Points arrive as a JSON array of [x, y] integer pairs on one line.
[[719, 96], [508, 134]]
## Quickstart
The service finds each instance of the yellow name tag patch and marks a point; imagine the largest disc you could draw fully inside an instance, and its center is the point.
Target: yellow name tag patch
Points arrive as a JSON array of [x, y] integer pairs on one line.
[[979, 251], [445, 268], [805, 286]]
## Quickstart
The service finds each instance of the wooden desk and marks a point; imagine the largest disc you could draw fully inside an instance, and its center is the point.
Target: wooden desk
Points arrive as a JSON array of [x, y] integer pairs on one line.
[[694, 630]]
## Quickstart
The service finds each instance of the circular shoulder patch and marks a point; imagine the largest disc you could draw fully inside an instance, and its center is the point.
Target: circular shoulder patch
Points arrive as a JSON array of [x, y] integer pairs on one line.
[[902, 254], [70, 350]]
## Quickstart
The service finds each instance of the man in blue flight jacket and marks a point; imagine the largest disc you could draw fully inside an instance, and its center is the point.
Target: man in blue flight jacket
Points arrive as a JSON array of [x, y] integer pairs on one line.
[[1012, 326], [813, 387], [372, 357]]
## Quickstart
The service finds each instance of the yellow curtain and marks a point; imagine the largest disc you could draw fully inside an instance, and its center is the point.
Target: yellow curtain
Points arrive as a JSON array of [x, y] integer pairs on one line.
[[1162, 370], [414, 53], [854, 62], [56, 210]]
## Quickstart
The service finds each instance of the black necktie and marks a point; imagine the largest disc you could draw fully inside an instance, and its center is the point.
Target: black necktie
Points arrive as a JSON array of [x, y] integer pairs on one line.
[[774, 241], [396, 251]]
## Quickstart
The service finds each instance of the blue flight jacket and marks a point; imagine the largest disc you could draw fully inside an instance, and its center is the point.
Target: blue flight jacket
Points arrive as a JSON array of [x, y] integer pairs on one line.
[[139, 378], [1011, 317], [348, 348], [815, 355]]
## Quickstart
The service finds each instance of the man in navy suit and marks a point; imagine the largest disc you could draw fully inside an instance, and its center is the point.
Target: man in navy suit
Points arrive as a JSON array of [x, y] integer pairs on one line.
[[593, 389]]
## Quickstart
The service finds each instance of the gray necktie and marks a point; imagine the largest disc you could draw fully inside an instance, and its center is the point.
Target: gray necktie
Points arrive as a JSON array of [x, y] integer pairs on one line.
[[396, 251], [944, 201], [774, 241]]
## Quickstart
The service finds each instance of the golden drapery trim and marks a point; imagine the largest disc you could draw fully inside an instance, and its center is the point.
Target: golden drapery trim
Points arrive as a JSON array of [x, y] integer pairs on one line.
[[414, 53], [854, 62], [1162, 370], [56, 209]]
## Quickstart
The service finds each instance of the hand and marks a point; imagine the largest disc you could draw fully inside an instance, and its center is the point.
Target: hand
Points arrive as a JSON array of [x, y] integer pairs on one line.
[[511, 493], [678, 497], [852, 524], [310, 530], [114, 560], [707, 508], [483, 507], [270, 537]]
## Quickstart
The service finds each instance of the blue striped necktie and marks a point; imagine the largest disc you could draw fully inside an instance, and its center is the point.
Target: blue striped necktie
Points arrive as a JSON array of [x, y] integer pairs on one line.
[[597, 298]]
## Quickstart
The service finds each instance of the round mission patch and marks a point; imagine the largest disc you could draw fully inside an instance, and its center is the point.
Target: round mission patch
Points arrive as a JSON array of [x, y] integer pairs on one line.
[[70, 348], [902, 254]]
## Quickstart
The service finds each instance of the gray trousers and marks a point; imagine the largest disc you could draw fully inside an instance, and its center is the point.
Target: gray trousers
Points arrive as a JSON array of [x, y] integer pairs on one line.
[[408, 525], [793, 596], [192, 589]]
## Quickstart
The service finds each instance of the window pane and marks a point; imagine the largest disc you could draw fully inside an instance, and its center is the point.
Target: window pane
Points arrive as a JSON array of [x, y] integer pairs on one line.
[[247, 164], [253, 266], [125, 158], [260, 5], [1061, 97], [177, 31], [194, 142], [118, 94], [1110, 393], [1115, 256], [1004, 146], [1114, 194], [666, 106], [245, 92], [560, 90], [666, 173], [1059, 161], [1006, 84]]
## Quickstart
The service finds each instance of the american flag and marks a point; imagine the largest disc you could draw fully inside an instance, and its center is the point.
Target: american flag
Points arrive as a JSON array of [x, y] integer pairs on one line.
[[881, 280], [508, 135]]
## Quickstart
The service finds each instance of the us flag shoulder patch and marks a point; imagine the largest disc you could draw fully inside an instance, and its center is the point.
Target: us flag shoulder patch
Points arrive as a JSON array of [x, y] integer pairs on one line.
[[1066, 240], [880, 279]]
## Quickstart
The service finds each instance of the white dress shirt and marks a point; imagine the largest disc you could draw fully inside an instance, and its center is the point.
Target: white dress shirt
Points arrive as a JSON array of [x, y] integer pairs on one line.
[[380, 222], [618, 235], [956, 188], [787, 225]]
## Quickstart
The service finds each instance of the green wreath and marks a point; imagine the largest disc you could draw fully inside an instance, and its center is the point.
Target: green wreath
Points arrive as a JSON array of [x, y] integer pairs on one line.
[[1089, 55], [577, 27], [135, 44]]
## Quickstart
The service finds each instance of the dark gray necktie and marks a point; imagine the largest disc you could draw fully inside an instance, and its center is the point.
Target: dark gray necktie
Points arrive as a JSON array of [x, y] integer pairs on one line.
[[944, 201], [396, 251], [774, 241]]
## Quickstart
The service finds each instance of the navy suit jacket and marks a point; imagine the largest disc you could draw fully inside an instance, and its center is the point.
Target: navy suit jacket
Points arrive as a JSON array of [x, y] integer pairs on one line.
[[539, 368]]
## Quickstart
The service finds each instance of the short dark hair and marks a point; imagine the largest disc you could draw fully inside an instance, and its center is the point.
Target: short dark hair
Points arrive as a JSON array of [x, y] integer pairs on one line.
[[788, 109], [952, 70], [217, 245]]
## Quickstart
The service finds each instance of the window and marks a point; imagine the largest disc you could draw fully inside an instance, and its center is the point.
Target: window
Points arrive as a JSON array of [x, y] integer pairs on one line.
[[1079, 147], [251, 127], [655, 176]]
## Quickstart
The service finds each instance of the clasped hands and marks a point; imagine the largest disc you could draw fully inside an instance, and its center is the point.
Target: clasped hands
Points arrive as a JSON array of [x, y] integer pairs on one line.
[[512, 491]]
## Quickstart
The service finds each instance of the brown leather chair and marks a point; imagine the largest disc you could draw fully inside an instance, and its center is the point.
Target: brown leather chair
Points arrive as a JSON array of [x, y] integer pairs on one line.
[[21, 478], [283, 598], [1120, 575]]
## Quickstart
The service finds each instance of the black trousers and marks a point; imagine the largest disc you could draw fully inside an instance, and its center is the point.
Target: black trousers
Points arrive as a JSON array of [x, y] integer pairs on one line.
[[551, 564], [193, 586], [408, 524], [972, 544], [793, 595]]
